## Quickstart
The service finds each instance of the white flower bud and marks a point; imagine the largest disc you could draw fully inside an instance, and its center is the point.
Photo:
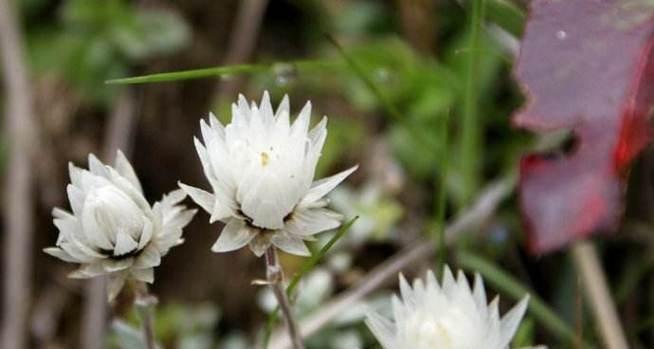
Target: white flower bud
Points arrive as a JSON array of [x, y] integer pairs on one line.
[[112, 229]]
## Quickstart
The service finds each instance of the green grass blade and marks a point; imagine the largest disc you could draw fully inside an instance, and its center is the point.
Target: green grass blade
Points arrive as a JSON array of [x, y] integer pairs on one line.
[[280, 67], [505, 283], [471, 128], [440, 201], [193, 74], [306, 267]]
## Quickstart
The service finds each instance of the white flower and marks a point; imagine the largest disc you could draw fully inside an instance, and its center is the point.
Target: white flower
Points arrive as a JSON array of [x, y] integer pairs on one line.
[[451, 316], [112, 229], [261, 168]]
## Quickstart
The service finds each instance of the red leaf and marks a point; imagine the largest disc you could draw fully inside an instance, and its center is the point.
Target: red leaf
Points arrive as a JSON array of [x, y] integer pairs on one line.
[[587, 66]]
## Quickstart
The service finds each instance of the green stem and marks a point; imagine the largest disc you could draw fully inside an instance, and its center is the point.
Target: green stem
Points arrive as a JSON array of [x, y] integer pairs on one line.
[[441, 197], [471, 127]]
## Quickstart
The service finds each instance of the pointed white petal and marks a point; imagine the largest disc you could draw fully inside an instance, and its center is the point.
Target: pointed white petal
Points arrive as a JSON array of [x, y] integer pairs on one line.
[[146, 234], [301, 124], [126, 170], [115, 283], [511, 320], [383, 329], [265, 108], [259, 244], [76, 198], [111, 265], [145, 275], [290, 245], [97, 167], [201, 197], [150, 257], [124, 244], [307, 222], [321, 187], [61, 254], [283, 111], [235, 235]]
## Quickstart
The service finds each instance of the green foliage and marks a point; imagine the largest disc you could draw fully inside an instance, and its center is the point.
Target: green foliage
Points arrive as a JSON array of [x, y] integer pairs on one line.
[[89, 42]]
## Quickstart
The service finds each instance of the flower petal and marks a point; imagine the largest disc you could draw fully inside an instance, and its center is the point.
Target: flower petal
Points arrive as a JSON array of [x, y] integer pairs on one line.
[[125, 169], [382, 328], [203, 198], [511, 320], [290, 244], [321, 187], [150, 257], [235, 235], [124, 244], [307, 222], [145, 275], [61, 254], [115, 283], [259, 244]]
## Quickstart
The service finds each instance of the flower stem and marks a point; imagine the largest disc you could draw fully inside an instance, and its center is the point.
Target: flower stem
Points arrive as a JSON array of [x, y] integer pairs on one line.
[[145, 303], [275, 277]]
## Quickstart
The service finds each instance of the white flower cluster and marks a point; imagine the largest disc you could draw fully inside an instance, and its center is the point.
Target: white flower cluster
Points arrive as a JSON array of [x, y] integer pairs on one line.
[[261, 169]]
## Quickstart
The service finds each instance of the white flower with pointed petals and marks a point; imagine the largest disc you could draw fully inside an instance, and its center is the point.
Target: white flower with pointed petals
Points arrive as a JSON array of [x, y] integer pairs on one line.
[[261, 169], [112, 229], [447, 316]]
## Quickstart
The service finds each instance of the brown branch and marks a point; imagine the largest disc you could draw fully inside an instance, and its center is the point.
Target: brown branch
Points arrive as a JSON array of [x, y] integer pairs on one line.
[[483, 208], [20, 127]]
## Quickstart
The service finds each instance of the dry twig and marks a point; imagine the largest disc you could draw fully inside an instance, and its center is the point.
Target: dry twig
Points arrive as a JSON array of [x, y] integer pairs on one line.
[[118, 135], [598, 295], [20, 126], [245, 33]]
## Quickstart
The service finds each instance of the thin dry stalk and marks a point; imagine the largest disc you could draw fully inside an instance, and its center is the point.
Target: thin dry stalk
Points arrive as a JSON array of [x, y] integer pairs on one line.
[[598, 295], [145, 303], [20, 127], [118, 135], [275, 280], [243, 40]]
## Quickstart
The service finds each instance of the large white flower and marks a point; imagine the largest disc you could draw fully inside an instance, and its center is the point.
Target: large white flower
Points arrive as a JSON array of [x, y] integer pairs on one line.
[[447, 316], [112, 229], [261, 169]]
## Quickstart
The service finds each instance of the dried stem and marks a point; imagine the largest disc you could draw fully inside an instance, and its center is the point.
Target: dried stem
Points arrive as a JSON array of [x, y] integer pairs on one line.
[[118, 135], [18, 214], [275, 277], [145, 303], [94, 313], [243, 41], [597, 291]]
